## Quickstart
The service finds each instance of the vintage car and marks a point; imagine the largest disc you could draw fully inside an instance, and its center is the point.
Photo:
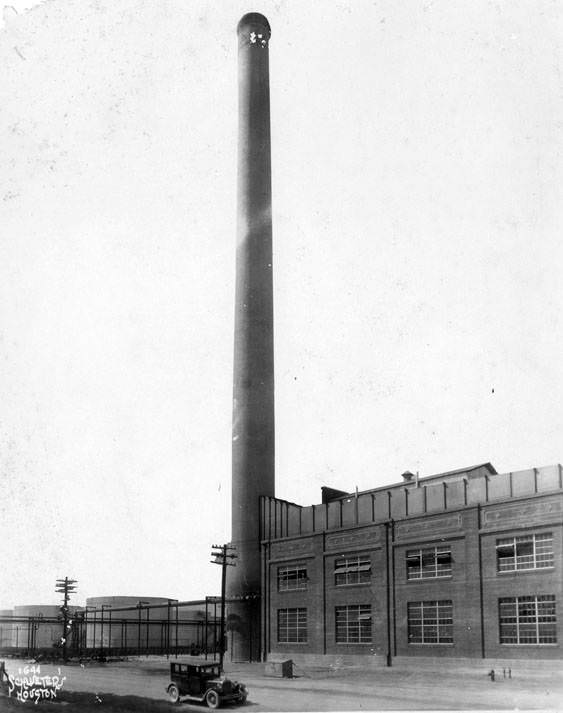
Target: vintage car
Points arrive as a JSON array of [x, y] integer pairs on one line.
[[203, 683]]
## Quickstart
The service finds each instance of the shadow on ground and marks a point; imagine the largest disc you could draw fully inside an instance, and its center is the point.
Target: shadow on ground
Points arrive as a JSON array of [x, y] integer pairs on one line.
[[70, 701]]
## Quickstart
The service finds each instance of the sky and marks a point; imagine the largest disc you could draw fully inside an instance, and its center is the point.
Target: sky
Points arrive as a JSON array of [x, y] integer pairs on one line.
[[417, 212]]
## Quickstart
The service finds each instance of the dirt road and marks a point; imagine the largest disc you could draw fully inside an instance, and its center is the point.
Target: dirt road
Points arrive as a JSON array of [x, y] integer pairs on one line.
[[111, 686]]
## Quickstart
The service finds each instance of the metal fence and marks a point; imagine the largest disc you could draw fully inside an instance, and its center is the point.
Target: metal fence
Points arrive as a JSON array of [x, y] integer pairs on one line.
[[172, 629]]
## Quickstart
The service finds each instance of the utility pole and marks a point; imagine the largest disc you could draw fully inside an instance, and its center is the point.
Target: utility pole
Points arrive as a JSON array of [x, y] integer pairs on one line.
[[66, 587], [222, 554], [102, 650], [139, 606]]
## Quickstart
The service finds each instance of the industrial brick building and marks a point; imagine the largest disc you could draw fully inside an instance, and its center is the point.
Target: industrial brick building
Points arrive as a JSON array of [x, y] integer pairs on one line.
[[464, 564]]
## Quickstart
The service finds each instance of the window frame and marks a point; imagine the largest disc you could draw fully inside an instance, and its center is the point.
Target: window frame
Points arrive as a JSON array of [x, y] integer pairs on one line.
[[521, 562], [355, 632], [527, 620], [300, 626], [301, 582], [352, 567], [421, 571], [435, 615]]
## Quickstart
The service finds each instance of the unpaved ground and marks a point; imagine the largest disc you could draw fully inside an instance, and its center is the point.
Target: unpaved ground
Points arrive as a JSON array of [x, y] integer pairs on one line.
[[124, 687]]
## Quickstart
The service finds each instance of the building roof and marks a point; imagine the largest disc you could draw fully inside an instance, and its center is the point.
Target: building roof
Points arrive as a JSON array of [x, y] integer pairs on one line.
[[332, 494], [489, 466]]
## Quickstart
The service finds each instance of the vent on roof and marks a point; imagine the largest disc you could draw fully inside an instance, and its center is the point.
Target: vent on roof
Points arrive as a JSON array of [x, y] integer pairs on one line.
[[408, 476], [329, 494]]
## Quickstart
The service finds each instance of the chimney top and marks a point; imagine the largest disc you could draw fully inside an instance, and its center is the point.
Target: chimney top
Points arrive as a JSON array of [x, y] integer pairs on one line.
[[408, 476], [256, 21]]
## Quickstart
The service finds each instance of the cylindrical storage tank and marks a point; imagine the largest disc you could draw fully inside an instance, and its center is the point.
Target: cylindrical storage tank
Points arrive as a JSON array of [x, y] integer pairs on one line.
[[38, 626], [6, 629], [137, 625]]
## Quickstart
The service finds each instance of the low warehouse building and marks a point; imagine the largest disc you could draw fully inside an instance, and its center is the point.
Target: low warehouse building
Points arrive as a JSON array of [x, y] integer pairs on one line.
[[143, 625], [6, 628]]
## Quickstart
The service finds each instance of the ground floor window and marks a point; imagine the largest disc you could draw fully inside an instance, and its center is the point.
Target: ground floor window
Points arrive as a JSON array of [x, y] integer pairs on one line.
[[292, 626], [430, 622], [353, 624], [528, 620]]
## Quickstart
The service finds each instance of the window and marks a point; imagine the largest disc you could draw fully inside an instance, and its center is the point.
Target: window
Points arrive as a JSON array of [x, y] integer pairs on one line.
[[352, 570], [430, 622], [292, 626], [429, 563], [525, 552], [353, 624], [290, 578], [528, 620]]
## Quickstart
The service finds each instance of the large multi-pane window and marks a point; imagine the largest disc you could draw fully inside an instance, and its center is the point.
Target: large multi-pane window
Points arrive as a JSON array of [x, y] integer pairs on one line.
[[292, 626], [429, 562], [352, 570], [525, 552], [353, 624], [430, 622], [292, 577], [528, 620]]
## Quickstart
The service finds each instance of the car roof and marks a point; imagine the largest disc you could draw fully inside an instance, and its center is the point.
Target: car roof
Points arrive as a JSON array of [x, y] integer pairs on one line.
[[198, 666]]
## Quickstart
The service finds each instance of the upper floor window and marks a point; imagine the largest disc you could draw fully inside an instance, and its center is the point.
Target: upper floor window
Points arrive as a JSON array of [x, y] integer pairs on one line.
[[352, 570], [528, 620], [353, 624], [291, 578], [292, 626], [525, 552], [429, 562]]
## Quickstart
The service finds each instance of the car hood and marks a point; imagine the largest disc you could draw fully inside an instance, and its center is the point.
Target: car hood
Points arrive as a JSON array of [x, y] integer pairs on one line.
[[222, 681]]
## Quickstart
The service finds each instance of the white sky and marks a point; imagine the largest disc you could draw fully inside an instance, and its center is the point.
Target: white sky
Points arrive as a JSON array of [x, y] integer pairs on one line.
[[417, 245]]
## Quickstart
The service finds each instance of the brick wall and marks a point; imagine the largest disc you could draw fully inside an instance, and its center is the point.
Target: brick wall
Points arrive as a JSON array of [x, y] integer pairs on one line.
[[473, 586]]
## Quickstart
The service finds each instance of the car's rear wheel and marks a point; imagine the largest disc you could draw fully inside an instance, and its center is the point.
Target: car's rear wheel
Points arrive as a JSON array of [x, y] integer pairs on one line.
[[212, 699], [174, 693]]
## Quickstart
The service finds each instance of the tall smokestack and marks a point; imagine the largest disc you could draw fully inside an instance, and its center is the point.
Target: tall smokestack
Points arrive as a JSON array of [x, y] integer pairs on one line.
[[253, 388]]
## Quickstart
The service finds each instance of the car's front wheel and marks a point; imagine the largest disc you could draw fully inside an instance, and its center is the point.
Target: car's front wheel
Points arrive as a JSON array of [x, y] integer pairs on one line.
[[212, 699], [174, 693]]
